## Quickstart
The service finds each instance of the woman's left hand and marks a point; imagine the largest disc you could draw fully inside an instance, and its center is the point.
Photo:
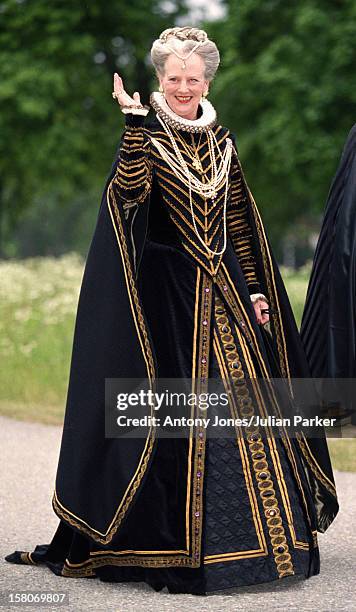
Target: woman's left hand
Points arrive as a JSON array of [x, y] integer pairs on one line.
[[261, 316]]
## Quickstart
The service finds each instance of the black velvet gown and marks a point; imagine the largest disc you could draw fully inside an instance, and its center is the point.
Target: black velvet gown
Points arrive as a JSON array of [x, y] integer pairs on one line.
[[208, 514]]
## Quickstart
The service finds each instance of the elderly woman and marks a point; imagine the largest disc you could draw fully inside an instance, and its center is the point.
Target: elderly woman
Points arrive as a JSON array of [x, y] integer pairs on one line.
[[178, 283]]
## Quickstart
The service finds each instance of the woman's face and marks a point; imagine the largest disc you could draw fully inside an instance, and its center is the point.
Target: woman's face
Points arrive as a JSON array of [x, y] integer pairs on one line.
[[184, 87]]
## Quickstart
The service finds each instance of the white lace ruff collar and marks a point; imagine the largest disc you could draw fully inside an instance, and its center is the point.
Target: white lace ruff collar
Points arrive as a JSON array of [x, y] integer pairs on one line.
[[206, 121]]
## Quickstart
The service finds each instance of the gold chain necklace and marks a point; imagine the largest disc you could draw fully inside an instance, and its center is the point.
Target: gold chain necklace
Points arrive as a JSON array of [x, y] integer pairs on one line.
[[219, 177], [196, 163]]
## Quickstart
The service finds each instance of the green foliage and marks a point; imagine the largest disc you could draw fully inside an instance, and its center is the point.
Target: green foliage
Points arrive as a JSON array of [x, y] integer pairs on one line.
[[58, 123], [289, 70], [38, 302], [286, 88]]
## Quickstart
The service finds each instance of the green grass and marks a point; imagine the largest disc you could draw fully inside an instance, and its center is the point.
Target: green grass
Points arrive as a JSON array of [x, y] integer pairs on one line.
[[343, 454], [296, 284], [49, 414], [38, 301]]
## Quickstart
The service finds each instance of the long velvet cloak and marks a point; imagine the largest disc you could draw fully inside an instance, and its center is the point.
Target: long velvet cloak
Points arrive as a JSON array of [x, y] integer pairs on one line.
[[329, 320], [99, 480]]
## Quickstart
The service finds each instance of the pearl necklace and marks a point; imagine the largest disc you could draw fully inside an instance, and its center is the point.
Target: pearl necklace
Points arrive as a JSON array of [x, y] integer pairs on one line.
[[208, 190]]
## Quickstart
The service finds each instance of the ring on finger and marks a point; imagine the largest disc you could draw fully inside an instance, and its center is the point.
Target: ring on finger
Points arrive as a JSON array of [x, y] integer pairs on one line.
[[115, 94]]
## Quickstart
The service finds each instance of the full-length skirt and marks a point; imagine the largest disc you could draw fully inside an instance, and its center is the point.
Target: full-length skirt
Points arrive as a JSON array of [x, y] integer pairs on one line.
[[255, 506]]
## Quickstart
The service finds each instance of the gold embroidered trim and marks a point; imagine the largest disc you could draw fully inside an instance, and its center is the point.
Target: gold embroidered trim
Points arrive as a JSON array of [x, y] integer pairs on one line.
[[225, 285], [59, 509], [212, 270], [314, 466], [27, 558], [239, 228], [141, 173], [130, 165], [202, 336], [265, 485], [275, 454], [262, 551], [199, 386], [264, 371], [91, 564], [164, 180], [271, 287], [136, 557]]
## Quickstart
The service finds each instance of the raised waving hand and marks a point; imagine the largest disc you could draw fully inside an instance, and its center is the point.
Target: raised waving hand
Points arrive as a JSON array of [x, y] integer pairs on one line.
[[122, 97]]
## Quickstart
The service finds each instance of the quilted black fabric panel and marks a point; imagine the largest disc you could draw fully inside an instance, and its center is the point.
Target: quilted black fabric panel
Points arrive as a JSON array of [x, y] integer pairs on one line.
[[228, 523]]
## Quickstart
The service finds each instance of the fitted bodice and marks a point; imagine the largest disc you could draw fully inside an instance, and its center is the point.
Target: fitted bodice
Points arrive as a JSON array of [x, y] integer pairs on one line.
[[208, 213], [145, 173]]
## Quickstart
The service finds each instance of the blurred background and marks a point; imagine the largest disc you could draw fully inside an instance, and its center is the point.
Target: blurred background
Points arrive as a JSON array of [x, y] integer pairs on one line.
[[286, 88]]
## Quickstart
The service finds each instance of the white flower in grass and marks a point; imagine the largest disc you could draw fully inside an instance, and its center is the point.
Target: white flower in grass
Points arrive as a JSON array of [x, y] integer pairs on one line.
[[6, 346], [23, 315], [26, 349], [42, 278]]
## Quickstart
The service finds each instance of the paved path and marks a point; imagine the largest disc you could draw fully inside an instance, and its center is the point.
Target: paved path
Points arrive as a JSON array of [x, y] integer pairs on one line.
[[27, 470]]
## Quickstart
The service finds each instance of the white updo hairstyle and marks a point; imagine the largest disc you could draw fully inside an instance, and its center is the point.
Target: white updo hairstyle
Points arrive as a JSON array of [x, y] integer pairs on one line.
[[184, 42]]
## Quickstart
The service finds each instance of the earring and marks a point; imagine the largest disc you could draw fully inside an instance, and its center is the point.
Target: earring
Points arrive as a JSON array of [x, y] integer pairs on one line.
[[205, 93], [160, 89]]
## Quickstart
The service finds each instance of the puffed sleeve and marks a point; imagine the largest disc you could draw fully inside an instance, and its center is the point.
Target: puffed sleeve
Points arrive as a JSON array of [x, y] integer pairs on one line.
[[239, 227], [133, 176]]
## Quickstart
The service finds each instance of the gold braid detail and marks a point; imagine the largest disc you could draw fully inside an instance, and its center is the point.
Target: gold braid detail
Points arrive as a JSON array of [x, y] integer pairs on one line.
[[105, 539], [26, 558], [313, 467], [91, 564], [133, 287], [267, 493]]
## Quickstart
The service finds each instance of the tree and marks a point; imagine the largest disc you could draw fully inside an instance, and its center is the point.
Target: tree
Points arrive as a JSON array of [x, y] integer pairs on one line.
[[58, 123], [289, 69]]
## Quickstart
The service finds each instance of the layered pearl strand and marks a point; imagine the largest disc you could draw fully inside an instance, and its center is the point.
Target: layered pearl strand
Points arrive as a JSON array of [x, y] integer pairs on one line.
[[208, 190]]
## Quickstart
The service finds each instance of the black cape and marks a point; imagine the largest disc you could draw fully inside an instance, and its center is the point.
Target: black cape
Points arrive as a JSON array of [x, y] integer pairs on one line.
[[99, 480], [329, 320]]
